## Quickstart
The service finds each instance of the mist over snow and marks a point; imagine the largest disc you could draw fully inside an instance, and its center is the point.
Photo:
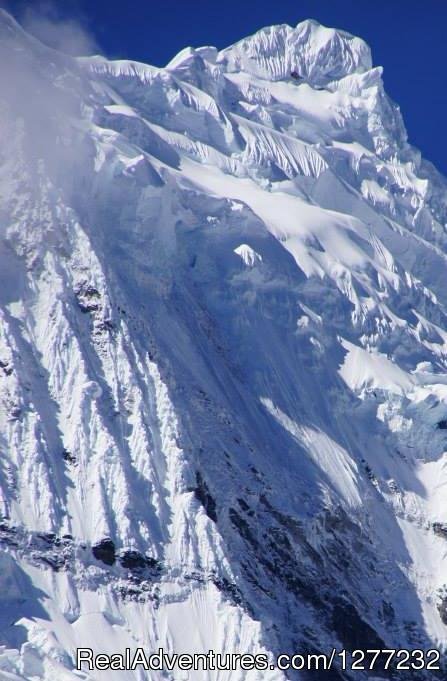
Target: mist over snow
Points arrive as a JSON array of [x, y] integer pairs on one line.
[[223, 351]]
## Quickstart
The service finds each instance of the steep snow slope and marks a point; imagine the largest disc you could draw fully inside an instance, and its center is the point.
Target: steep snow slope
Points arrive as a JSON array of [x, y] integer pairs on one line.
[[223, 402]]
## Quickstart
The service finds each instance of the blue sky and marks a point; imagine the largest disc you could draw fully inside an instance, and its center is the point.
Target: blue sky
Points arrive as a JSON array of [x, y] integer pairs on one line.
[[407, 38]]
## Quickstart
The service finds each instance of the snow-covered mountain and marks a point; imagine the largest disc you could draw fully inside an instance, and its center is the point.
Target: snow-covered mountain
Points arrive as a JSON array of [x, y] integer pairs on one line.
[[223, 352]]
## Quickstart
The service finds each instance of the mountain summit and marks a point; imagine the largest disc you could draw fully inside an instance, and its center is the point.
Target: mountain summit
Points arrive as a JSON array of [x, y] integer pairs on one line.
[[223, 352]]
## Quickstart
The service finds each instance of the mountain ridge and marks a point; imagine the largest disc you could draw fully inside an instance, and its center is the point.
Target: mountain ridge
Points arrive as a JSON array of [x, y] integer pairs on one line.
[[222, 357]]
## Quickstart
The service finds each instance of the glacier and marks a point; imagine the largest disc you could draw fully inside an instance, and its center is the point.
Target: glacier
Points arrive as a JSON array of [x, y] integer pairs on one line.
[[223, 352]]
